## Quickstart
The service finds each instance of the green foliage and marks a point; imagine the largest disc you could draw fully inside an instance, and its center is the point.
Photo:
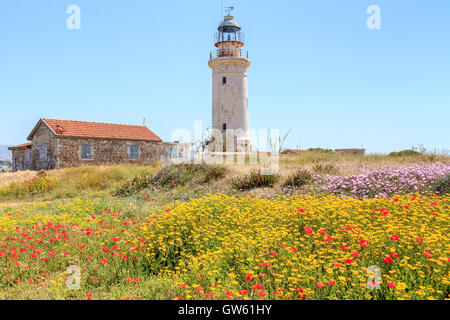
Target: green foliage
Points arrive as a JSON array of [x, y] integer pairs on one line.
[[173, 176], [182, 174], [327, 168], [135, 185], [254, 180], [214, 174], [442, 186], [320, 150], [298, 179], [405, 153]]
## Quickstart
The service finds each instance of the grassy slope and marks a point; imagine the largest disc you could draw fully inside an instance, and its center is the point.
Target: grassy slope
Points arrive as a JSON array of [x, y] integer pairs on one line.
[[86, 181]]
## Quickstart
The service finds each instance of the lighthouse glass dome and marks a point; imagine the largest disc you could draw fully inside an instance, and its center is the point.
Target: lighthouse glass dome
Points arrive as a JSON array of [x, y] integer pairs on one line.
[[229, 39]]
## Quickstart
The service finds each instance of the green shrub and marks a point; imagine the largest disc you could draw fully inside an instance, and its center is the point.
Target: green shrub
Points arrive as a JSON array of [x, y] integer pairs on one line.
[[182, 174], [298, 179], [214, 174], [320, 150], [135, 185], [172, 176], [254, 180], [327, 168], [405, 153], [442, 186]]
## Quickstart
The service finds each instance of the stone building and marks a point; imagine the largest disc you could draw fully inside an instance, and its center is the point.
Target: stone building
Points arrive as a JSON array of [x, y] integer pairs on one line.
[[62, 144], [21, 156], [229, 64]]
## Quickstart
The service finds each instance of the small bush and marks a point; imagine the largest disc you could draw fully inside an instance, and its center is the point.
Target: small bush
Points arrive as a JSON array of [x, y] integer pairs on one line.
[[320, 150], [182, 174], [254, 180], [214, 174], [442, 186], [327, 168], [405, 153], [298, 179], [135, 185]]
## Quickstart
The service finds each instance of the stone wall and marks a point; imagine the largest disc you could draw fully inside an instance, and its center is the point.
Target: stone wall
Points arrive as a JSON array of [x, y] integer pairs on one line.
[[108, 152], [44, 136], [21, 159]]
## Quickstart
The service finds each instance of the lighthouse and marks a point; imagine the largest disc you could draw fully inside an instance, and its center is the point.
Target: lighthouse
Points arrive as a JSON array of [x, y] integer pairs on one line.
[[229, 64]]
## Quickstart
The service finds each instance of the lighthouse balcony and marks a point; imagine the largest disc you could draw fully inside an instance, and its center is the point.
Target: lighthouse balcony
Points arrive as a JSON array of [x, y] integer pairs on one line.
[[228, 52]]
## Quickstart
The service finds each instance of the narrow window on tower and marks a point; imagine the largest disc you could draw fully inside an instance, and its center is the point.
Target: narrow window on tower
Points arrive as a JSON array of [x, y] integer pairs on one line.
[[224, 127], [224, 80]]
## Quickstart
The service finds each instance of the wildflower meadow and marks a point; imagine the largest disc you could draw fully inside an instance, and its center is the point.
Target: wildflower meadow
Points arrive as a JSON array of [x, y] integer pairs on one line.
[[380, 235]]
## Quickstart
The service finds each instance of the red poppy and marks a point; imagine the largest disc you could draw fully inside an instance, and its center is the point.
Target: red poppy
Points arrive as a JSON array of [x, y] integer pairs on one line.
[[349, 261], [257, 287], [427, 255], [320, 284], [308, 230], [248, 277], [388, 260]]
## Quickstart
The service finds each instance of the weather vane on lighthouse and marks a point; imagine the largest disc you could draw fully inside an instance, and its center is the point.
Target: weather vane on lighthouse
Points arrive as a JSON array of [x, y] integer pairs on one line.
[[228, 10]]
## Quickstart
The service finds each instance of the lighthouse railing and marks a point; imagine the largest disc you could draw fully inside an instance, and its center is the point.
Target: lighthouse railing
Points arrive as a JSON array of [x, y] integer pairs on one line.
[[228, 52]]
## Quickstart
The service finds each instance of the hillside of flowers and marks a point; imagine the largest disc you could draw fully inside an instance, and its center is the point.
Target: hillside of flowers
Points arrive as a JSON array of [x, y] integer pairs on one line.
[[225, 247], [384, 182]]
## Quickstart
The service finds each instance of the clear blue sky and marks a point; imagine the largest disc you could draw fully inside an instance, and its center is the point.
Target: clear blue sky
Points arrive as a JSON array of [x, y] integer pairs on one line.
[[317, 69]]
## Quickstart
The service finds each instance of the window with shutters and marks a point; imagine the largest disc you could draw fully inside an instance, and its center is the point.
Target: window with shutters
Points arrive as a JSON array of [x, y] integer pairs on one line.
[[43, 152], [86, 152], [134, 152]]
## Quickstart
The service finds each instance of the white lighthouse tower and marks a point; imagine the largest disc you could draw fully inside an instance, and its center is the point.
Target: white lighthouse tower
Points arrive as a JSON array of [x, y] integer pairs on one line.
[[229, 85]]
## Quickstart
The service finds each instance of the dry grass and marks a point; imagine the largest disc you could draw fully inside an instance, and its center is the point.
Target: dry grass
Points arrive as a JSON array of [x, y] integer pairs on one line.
[[11, 177]]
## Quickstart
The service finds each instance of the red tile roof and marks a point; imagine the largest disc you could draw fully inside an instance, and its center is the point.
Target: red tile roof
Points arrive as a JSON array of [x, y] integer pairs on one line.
[[97, 130], [21, 146]]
